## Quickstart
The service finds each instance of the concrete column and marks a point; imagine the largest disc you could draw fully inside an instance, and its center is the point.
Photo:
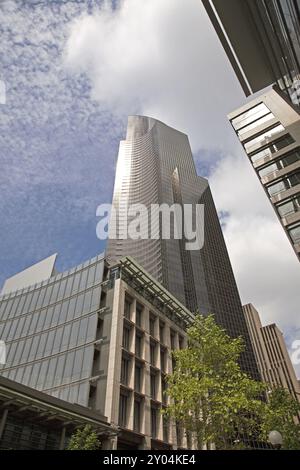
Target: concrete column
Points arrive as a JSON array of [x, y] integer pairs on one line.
[[3, 421], [110, 443]]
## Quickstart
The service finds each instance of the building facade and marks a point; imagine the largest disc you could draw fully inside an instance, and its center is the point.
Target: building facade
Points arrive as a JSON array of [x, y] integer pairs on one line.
[[100, 336], [262, 41], [156, 166], [269, 130], [271, 353], [32, 420]]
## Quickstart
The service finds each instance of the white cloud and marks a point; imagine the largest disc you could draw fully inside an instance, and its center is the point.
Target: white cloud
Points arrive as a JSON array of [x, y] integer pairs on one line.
[[163, 59], [160, 58]]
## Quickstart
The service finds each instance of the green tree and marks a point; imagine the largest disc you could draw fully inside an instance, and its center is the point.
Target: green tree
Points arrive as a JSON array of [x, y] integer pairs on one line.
[[280, 414], [210, 396], [84, 439]]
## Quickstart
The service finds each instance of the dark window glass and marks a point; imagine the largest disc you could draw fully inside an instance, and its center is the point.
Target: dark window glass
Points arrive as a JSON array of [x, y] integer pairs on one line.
[[154, 423], [126, 338], [152, 353], [152, 325], [125, 371], [123, 410], [127, 307], [137, 416], [138, 345], [138, 378], [153, 379]]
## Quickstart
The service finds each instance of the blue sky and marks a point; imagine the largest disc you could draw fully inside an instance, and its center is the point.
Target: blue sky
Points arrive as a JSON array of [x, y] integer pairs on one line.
[[58, 146], [74, 71]]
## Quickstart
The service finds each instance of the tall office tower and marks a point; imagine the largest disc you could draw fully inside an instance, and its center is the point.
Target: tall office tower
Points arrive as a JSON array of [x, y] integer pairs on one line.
[[269, 130], [156, 166], [262, 41], [271, 354]]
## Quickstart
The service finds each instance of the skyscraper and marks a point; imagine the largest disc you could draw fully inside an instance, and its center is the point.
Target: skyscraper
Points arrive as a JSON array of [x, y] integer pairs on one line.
[[156, 166], [271, 354], [269, 130], [262, 41]]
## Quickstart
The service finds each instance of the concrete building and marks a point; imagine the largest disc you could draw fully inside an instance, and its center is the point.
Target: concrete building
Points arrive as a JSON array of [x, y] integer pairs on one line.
[[269, 130], [156, 166], [99, 336], [262, 41], [271, 354]]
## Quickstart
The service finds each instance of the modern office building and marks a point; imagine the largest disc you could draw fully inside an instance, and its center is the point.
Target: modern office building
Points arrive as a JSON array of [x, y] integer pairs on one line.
[[269, 130], [262, 41], [99, 336], [271, 354], [155, 166]]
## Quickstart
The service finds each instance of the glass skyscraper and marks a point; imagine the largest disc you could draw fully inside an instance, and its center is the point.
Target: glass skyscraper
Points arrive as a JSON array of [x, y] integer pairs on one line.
[[156, 166]]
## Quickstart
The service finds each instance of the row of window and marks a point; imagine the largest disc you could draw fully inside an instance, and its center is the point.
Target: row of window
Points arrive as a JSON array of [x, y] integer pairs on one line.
[[52, 342], [263, 138], [55, 372], [52, 293], [250, 116], [281, 163], [284, 184], [272, 148], [42, 320], [290, 207], [156, 327]]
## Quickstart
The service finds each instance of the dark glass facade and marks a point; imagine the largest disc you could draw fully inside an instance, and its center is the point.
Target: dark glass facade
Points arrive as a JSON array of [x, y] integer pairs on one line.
[[156, 166]]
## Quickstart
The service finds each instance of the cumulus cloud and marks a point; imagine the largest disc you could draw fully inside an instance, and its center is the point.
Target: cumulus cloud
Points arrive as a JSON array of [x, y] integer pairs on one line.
[[163, 59], [159, 58]]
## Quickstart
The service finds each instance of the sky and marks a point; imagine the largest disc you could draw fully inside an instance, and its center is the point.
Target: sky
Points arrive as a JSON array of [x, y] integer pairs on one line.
[[74, 71]]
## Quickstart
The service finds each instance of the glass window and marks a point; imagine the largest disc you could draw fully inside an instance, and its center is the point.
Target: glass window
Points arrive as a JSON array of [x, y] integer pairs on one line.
[[127, 307], [284, 184], [263, 138], [51, 372], [152, 325], [249, 116], [289, 207], [20, 308], [152, 353], [47, 297], [66, 335], [161, 332], [57, 340], [87, 301], [295, 233], [41, 298], [69, 284], [125, 371], [91, 276], [74, 333], [83, 279], [62, 288], [99, 272], [75, 287], [163, 359], [78, 364], [49, 344], [153, 385], [123, 410], [138, 345], [82, 331], [281, 163], [79, 305], [48, 317], [69, 366], [96, 298], [137, 416], [138, 378], [139, 315], [154, 422], [34, 346], [54, 292], [126, 338], [255, 124]]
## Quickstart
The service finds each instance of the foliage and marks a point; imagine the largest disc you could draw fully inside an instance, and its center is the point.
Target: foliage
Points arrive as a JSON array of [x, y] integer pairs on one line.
[[84, 439], [279, 415], [210, 395]]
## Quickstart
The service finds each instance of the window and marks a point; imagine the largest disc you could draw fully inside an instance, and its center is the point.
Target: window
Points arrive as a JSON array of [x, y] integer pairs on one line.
[[163, 357], [152, 353], [123, 410], [164, 387], [283, 162], [284, 184], [165, 428], [126, 338], [127, 307], [125, 364], [138, 371], [138, 315], [181, 342], [138, 345], [294, 232], [250, 116], [137, 416], [255, 124], [172, 339], [161, 331], [152, 325], [289, 207], [153, 388], [153, 422], [263, 138]]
